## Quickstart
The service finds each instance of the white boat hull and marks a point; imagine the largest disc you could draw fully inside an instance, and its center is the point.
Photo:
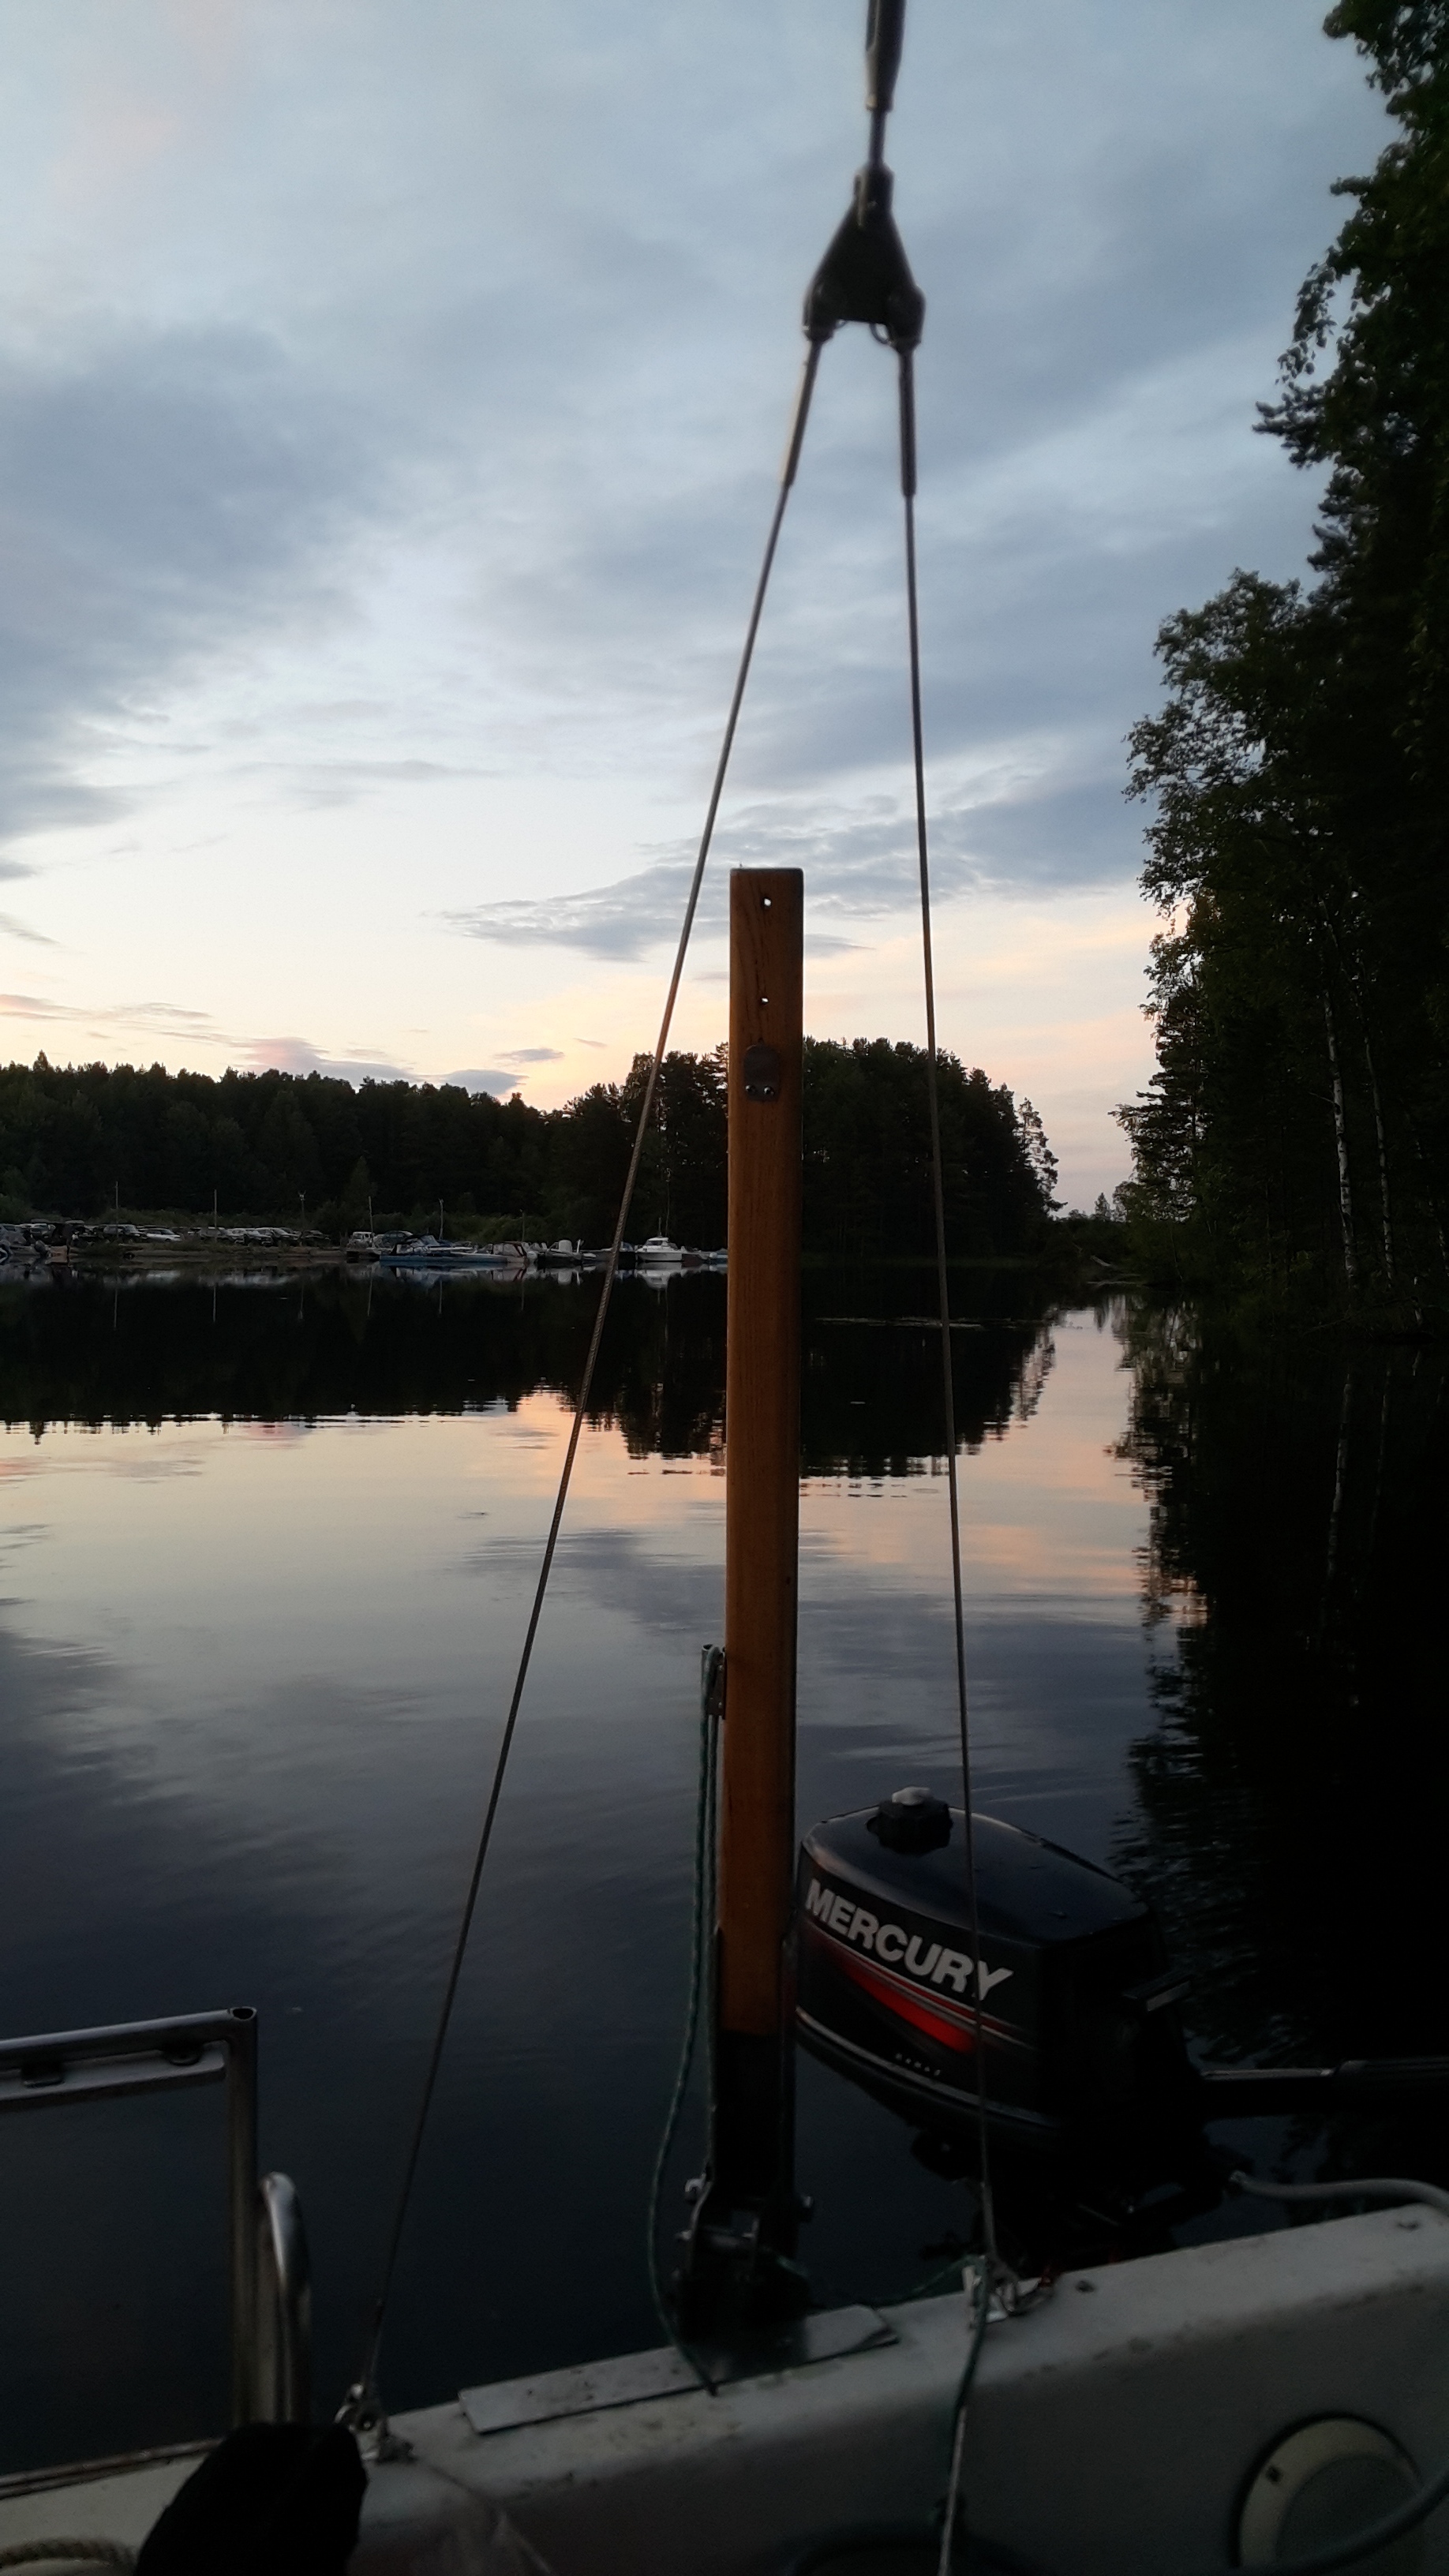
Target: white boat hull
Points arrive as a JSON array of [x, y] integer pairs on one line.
[[1112, 2431]]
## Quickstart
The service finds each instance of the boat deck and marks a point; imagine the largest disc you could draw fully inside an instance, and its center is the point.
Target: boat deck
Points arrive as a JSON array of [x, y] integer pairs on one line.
[[1113, 2429]]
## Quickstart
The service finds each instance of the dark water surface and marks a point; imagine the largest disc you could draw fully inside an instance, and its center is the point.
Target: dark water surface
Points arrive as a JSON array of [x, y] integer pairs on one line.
[[268, 1554]]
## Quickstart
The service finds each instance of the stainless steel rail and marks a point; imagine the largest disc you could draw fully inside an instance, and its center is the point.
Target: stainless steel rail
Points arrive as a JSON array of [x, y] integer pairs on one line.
[[282, 2389], [270, 2292]]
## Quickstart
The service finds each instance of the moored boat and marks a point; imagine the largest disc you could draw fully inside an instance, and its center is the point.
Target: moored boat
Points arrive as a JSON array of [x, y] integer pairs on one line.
[[425, 1252]]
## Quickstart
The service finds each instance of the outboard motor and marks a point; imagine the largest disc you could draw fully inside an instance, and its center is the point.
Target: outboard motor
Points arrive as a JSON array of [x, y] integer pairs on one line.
[[1071, 1991]]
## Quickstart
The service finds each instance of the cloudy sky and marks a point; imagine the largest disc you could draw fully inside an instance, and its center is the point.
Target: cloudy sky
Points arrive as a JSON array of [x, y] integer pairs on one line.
[[390, 402]]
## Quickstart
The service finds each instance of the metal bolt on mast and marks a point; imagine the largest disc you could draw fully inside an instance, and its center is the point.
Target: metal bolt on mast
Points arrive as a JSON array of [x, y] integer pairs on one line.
[[738, 2272]]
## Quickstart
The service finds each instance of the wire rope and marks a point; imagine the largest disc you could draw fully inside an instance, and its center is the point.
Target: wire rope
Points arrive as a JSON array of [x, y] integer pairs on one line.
[[943, 1281], [363, 2391], [948, 1404]]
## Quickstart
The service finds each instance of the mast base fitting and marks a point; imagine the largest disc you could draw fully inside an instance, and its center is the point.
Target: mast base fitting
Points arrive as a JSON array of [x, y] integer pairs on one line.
[[732, 2278]]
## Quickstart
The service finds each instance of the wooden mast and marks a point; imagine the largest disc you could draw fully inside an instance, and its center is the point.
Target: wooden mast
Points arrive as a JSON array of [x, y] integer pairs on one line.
[[752, 2158]]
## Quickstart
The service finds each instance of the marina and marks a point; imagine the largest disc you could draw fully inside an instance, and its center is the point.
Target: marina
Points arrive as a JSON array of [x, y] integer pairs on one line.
[[34, 1250]]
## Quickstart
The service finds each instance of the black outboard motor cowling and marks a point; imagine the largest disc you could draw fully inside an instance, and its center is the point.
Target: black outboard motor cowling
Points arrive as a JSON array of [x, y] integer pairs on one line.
[[1071, 1992]]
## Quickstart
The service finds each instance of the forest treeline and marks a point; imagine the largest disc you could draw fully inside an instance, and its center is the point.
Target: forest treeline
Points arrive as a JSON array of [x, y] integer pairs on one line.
[[94, 1139], [1296, 1132]]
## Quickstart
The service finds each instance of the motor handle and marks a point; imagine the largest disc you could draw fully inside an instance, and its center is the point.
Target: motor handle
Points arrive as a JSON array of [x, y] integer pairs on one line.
[[1228, 2092]]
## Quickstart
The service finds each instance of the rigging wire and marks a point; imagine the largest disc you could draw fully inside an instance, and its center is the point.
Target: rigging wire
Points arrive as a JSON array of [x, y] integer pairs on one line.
[[991, 2264], [362, 2394], [943, 1284]]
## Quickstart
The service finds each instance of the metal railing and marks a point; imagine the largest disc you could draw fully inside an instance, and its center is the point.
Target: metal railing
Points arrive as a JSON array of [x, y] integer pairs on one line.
[[282, 2345], [271, 2315]]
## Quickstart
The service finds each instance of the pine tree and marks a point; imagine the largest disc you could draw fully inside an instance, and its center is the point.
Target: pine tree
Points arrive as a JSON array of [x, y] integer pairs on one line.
[[1298, 1123]]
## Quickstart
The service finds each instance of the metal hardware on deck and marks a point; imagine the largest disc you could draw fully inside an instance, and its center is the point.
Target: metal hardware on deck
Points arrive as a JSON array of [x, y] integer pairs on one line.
[[282, 2391], [168, 2056]]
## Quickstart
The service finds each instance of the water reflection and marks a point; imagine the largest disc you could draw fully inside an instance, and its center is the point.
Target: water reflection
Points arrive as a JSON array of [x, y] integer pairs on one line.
[[88, 1350], [1290, 1801], [268, 1550]]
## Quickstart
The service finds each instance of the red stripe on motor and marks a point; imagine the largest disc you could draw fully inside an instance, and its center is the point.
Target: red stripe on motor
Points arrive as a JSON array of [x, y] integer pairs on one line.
[[904, 2005], [957, 2021]]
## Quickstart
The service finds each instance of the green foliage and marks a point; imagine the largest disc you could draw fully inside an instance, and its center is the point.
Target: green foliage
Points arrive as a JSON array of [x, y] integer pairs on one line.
[[81, 1140], [868, 1155], [1297, 1129]]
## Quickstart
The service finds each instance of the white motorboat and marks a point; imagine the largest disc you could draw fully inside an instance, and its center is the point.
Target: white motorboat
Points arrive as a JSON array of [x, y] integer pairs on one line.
[[425, 1252]]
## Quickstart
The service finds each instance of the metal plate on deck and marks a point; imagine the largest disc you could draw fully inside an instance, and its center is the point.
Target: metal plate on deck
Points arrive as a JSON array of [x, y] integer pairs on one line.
[[826, 2337], [593, 2386]]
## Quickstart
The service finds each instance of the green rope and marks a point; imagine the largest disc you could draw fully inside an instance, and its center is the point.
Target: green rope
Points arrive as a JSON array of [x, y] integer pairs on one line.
[[701, 1979]]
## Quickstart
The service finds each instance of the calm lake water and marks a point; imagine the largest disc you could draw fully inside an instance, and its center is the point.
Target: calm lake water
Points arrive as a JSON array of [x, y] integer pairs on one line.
[[268, 1555]]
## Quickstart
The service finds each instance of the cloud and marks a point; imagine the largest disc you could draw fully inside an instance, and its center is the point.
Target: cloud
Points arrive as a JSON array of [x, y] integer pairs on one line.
[[176, 1026], [300, 1056], [15, 929], [166, 1018], [323, 783], [166, 493], [491, 1078], [620, 920], [860, 865], [454, 512], [31, 1006], [533, 1055]]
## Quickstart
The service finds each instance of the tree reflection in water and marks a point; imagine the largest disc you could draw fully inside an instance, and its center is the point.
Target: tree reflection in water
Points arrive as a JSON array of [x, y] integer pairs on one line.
[[91, 1350], [1291, 1801]]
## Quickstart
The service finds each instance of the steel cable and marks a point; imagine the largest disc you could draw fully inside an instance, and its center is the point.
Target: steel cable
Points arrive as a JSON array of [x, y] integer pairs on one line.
[[362, 2394], [948, 1393], [943, 1282]]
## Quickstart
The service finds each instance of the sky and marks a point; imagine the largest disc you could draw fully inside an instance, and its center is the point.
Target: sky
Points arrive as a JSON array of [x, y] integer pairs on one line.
[[390, 407]]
